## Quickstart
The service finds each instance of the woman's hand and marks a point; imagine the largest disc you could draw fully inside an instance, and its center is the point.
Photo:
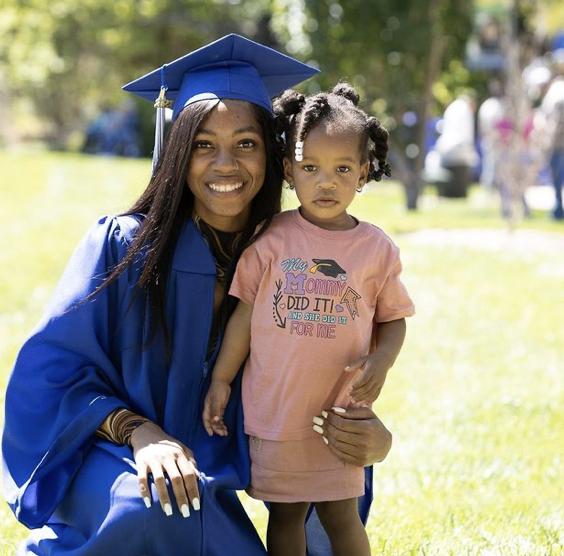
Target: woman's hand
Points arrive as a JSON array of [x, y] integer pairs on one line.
[[160, 455], [356, 435]]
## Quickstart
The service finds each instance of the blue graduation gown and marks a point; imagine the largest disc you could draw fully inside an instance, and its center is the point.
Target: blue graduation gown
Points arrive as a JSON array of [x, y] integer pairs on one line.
[[86, 359]]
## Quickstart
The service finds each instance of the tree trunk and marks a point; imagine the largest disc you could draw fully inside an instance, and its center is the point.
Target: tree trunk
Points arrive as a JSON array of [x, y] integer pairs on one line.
[[412, 189], [414, 182], [404, 172]]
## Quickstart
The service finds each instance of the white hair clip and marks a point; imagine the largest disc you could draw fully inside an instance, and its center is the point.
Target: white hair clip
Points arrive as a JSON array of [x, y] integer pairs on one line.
[[299, 151]]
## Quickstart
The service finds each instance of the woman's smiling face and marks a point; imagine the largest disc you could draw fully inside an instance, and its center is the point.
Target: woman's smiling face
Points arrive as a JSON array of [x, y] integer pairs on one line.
[[227, 165]]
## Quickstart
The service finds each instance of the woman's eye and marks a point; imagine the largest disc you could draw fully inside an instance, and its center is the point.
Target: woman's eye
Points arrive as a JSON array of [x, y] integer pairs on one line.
[[343, 169], [247, 143], [309, 168], [203, 145]]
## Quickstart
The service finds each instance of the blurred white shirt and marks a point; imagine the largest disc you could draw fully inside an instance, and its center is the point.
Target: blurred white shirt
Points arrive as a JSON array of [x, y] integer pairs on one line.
[[456, 143]]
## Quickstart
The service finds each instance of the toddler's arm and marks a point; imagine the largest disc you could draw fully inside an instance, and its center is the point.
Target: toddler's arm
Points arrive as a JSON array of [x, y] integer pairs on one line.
[[375, 366], [233, 352]]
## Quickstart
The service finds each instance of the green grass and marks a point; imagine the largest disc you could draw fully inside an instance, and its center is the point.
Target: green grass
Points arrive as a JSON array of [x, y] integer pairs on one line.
[[475, 401]]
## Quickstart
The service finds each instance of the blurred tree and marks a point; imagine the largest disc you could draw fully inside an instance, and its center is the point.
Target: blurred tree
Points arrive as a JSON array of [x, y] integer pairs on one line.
[[70, 57], [393, 52]]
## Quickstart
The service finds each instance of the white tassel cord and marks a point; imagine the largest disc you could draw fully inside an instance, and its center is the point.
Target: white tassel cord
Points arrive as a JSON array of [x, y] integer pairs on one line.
[[160, 104]]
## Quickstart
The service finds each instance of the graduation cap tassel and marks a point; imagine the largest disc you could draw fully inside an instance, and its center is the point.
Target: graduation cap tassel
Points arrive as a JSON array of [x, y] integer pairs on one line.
[[160, 104]]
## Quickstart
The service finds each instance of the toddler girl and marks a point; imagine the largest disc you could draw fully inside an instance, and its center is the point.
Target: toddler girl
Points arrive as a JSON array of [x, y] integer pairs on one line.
[[312, 291]]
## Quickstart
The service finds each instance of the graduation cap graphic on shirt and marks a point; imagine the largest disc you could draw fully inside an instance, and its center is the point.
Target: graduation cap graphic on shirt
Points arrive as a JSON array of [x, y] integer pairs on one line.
[[327, 267]]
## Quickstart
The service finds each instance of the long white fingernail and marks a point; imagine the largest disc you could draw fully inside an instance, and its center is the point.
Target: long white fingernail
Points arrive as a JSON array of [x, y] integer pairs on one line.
[[318, 421], [196, 504], [168, 509], [325, 440], [347, 368], [184, 510], [318, 429], [147, 501], [339, 410], [325, 414]]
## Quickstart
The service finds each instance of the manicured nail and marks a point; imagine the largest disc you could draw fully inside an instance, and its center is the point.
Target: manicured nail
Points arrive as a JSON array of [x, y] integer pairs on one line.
[[339, 410], [347, 368], [196, 504], [325, 440], [168, 509], [318, 421], [184, 510], [147, 501], [325, 414], [318, 429]]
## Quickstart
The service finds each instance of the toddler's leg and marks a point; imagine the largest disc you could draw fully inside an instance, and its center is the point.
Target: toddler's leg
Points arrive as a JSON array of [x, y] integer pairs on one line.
[[342, 523], [286, 532]]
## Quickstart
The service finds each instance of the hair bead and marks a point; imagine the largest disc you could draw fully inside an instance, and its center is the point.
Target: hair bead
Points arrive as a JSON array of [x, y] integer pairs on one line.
[[299, 151]]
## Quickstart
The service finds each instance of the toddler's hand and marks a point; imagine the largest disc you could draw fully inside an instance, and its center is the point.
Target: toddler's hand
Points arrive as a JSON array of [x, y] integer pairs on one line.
[[367, 387], [214, 408]]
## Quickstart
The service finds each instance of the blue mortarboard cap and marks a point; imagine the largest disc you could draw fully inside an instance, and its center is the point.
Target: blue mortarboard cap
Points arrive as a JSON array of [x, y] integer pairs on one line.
[[232, 67]]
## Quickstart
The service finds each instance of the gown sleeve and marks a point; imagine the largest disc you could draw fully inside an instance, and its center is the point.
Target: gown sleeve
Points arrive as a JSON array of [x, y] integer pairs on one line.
[[64, 383]]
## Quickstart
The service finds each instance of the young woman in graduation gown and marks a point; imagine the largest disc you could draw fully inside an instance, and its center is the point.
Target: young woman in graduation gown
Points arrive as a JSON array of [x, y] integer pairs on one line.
[[133, 328]]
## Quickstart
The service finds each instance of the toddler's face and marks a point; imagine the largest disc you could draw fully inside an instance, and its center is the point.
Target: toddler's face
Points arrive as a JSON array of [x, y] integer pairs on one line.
[[328, 176]]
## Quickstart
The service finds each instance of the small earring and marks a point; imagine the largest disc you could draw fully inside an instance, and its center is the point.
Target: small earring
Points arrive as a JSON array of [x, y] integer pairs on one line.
[[359, 188], [290, 185]]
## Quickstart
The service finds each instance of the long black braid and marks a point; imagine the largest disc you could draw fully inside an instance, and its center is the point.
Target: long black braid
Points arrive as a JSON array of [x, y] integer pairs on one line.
[[297, 115]]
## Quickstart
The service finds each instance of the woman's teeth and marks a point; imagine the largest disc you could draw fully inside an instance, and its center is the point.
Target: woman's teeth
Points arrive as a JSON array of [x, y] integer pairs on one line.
[[224, 188]]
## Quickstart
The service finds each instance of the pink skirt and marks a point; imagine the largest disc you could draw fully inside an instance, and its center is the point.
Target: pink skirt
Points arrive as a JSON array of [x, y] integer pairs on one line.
[[301, 471]]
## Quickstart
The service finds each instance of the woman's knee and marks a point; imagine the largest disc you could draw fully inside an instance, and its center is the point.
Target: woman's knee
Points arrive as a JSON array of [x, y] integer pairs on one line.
[[104, 504]]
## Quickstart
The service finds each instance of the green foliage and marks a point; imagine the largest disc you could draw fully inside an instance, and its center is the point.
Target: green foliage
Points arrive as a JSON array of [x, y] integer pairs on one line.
[[474, 402], [72, 57], [392, 52], [381, 47]]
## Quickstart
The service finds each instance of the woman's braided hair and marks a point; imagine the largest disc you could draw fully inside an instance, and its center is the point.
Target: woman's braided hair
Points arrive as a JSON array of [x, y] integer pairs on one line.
[[298, 114]]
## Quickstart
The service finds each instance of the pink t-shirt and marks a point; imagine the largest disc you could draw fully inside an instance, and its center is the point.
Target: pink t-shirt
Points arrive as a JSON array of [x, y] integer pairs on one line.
[[316, 295]]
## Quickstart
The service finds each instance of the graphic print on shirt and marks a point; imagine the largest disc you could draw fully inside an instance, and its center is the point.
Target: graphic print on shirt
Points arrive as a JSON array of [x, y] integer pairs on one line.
[[328, 267], [308, 305]]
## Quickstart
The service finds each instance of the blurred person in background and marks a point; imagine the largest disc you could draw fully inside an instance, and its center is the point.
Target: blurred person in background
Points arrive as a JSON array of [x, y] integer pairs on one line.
[[114, 132], [456, 146], [490, 113], [552, 107], [517, 160]]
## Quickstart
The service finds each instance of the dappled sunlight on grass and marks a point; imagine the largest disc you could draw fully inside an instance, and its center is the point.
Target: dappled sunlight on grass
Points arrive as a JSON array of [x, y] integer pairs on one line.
[[475, 400]]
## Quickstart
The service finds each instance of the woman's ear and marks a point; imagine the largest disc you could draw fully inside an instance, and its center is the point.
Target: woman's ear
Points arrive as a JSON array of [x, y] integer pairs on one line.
[[288, 171]]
